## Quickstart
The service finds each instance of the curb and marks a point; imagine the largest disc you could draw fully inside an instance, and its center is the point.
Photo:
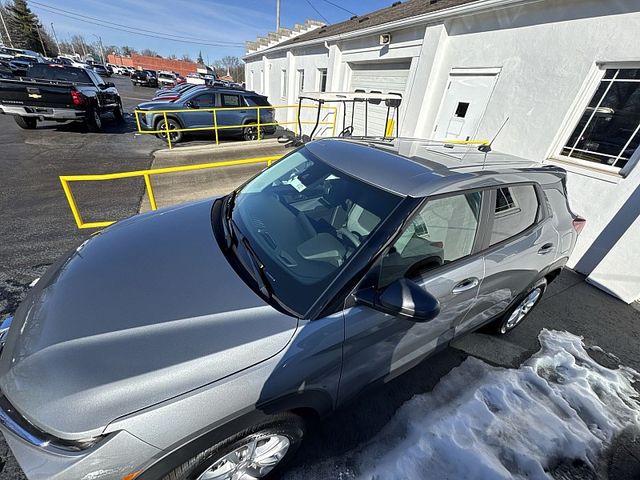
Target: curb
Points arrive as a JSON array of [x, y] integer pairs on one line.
[[214, 148]]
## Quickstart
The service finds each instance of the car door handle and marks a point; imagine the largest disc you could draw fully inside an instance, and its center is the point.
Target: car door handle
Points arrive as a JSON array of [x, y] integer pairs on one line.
[[546, 248], [465, 285]]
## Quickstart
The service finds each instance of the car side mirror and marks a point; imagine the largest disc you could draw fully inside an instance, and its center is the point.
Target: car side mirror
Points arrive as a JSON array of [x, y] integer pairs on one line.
[[404, 298], [110, 85], [190, 104]]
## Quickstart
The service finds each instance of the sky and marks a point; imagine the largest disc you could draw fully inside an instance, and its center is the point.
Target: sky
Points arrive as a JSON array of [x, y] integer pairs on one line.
[[207, 21]]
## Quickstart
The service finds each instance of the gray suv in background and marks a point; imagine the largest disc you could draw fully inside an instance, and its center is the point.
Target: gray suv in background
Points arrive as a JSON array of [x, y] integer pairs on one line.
[[196, 342]]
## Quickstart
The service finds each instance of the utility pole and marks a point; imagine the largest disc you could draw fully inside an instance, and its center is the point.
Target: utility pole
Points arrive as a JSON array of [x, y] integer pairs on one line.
[[277, 15], [55, 37], [6, 29], [101, 50], [44, 51]]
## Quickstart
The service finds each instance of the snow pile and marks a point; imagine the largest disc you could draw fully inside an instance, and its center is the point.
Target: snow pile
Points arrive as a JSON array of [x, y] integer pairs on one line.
[[484, 422]]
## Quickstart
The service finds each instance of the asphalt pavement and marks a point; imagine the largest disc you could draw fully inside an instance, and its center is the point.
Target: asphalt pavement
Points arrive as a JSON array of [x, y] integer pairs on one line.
[[37, 226]]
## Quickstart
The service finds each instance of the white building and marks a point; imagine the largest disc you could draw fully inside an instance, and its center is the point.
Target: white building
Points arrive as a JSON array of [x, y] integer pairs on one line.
[[565, 72]]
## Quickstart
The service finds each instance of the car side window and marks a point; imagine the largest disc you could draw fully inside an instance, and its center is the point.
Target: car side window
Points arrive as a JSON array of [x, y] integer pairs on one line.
[[516, 209], [96, 78], [206, 100], [443, 231], [230, 100]]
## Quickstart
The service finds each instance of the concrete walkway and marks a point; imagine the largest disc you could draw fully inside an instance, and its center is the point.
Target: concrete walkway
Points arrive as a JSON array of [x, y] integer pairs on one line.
[[175, 188]]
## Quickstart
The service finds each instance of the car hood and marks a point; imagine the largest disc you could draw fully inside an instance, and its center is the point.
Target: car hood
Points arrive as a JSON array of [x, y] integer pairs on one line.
[[140, 313]]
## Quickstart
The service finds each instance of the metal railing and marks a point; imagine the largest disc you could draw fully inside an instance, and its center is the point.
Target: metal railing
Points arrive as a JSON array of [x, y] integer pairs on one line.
[[259, 124], [146, 174]]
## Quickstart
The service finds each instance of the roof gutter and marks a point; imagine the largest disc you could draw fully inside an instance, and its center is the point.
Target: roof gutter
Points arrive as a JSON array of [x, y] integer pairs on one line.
[[431, 17]]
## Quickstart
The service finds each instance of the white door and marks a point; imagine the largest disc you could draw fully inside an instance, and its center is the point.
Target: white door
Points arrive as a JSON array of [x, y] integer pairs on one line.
[[376, 77], [464, 104]]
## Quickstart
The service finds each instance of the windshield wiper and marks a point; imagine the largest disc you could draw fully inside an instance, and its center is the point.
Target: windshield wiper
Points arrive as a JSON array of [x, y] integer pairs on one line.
[[228, 212], [258, 269], [262, 278]]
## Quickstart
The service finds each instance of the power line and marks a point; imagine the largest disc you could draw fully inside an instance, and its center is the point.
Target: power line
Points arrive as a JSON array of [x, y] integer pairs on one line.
[[318, 12], [340, 7], [137, 29], [132, 30]]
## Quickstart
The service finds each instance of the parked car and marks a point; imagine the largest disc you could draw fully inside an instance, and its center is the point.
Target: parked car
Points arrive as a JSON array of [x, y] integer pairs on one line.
[[171, 94], [20, 64], [199, 101], [226, 325], [146, 78], [118, 69], [166, 79], [60, 93], [101, 70], [5, 69]]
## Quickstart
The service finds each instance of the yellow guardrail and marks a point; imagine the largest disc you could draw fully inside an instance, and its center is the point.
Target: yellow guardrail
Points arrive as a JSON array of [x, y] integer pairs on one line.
[[146, 174], [215, 127]]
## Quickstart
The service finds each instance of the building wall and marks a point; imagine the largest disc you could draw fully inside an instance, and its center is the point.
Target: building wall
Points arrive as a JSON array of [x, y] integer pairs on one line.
[[154, 63], [548, 53]]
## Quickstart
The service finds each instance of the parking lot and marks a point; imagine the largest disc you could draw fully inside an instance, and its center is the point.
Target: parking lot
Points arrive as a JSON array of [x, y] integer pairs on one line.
[[37, 227]]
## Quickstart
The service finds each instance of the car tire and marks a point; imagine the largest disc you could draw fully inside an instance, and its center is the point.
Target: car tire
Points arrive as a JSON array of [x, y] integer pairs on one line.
[[273, 443], [94, 122], [118, 113], [520, 309], [173, 124], [28, 123], [250, 132]]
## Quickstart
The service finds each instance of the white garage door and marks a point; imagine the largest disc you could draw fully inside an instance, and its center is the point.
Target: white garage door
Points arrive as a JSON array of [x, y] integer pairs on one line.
[[376, 77]]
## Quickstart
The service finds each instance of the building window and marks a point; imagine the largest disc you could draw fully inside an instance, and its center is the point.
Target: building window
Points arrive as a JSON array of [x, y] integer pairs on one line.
[[322, 79], [300, 80], [608, 131], [283, 83]]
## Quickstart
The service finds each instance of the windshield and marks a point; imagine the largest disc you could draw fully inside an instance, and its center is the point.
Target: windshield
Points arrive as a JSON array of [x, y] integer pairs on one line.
[[304, 220]]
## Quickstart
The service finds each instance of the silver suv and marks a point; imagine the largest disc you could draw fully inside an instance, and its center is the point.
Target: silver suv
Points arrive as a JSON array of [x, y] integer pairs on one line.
[[196, 342]]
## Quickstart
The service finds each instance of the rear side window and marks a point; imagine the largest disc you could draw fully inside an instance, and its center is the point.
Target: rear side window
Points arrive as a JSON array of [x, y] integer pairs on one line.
[[258, 101], [516, 209], [230, 100]]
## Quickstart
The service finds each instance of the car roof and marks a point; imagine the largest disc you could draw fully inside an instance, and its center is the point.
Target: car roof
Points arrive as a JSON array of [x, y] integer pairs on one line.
[[419, 168]]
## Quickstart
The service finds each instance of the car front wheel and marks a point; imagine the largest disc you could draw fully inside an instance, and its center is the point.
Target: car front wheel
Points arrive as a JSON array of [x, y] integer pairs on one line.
[[517, 313], [171, 125], [258, 452]]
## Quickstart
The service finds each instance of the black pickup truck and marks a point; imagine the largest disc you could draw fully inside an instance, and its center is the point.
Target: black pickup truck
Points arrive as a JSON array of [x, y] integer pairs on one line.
[[59, 93], [145, 78]]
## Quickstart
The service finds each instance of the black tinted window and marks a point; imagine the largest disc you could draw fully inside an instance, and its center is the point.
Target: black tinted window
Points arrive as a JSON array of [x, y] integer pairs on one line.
[[516, 209], [230, 100], [55, 72], [206, 100], [257, 101]]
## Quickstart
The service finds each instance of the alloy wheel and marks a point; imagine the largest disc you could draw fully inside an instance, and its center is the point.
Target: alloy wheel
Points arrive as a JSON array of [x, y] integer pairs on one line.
[[253, 459], [250, 133], [521, 311], [169, 126]]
